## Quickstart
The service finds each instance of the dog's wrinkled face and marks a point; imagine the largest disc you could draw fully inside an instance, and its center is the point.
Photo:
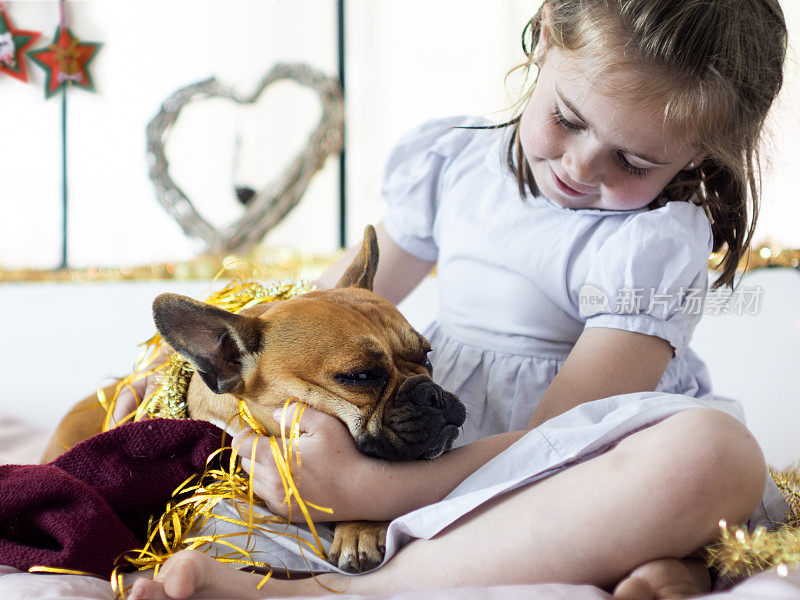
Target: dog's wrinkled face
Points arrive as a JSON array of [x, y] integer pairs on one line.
[[351, 354], [346, 352]]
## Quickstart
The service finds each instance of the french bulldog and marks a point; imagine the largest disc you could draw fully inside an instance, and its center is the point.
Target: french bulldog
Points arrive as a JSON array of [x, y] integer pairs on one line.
[[344, 351]]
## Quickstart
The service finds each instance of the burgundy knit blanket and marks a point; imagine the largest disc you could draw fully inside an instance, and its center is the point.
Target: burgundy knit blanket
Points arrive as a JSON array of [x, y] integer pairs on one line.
[[92, 504]]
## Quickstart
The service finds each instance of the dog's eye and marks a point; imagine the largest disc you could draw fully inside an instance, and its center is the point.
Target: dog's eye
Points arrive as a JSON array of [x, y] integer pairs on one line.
[[362, 377]]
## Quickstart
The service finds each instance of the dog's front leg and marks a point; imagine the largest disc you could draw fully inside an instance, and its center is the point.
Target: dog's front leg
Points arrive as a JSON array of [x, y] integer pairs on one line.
[[358, 546]]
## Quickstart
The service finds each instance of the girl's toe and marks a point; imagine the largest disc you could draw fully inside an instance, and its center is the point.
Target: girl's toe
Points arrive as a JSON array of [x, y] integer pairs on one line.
[[147, 589], [633, 588]]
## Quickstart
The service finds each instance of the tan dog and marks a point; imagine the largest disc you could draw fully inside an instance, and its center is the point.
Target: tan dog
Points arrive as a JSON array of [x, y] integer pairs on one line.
[[346, 352]]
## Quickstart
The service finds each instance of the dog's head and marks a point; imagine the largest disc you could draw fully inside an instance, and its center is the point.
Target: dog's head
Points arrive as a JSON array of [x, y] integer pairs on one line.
[[345, 351]]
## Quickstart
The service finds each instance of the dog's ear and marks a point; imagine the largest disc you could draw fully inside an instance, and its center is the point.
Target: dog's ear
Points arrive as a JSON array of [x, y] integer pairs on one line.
[[361, 273], [215, 341]]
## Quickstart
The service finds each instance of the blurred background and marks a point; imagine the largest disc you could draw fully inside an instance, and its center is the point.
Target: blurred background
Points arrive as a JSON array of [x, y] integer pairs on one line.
[[406, 61]]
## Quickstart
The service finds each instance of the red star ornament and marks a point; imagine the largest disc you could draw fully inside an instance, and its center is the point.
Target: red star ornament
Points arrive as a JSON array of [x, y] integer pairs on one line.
[[13, 44], [65, 61]]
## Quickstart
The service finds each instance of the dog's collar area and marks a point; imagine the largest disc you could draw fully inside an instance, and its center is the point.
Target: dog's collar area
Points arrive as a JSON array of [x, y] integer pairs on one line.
[[169, 400]]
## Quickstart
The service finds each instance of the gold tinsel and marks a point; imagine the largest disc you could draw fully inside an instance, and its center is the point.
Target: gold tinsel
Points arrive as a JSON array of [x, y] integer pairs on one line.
[[291, 264], [192, 503], [169, 400], [739, 552], [279, 264], [788, 482], [766, 255]]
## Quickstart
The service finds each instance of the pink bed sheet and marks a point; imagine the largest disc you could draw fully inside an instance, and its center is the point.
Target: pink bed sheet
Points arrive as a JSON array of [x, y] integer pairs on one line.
[[25, 586], [21, 443]]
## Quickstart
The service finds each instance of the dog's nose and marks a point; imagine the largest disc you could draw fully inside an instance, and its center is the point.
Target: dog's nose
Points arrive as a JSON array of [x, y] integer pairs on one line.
[[420, 390], [427, 395]]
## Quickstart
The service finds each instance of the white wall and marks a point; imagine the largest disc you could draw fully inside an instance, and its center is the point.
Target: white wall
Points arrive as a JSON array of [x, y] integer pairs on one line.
[[408, 61], [752, 357], [780, 219]]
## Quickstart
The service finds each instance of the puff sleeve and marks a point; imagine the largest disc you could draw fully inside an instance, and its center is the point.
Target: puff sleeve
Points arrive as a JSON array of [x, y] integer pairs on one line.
[[412, 182], [651, 275]]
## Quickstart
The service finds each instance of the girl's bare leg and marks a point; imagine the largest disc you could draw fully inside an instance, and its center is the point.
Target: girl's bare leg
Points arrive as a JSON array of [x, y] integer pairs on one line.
[[658, 494]]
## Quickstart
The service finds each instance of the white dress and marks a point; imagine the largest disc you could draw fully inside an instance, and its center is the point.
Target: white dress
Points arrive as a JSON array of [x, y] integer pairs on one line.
[[511, 271], [511, 275]]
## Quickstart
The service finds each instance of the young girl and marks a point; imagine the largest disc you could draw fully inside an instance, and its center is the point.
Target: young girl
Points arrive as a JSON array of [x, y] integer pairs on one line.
[[572, 247]]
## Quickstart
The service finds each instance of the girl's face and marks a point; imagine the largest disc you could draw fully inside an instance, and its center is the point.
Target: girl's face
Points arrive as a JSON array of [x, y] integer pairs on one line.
[[595, 149]]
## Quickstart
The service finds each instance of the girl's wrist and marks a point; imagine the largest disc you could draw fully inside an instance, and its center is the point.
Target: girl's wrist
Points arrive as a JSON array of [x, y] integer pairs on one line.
[[375, 491], [381, 490]]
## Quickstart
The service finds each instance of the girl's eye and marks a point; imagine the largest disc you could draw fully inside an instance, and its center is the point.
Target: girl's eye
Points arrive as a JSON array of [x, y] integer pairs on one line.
[[563, 122], [627, 166], [571, 127]]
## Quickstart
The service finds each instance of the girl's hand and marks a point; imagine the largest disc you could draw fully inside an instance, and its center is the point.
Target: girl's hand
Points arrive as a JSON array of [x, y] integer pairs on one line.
[[129, 398], [332, 472]]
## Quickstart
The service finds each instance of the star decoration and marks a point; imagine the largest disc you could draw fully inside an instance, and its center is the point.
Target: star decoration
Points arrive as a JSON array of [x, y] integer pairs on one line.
[[66, 61], [13, 44]]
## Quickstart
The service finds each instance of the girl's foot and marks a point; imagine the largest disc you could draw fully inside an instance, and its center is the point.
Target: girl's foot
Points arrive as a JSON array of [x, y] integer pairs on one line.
[[665, 578], [193, 574]]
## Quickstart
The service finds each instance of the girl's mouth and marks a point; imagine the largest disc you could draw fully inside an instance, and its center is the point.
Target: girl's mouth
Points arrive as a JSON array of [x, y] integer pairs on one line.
[[563, 186]]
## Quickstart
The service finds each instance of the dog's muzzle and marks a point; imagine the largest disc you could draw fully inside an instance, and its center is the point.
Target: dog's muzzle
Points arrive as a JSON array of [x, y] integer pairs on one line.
[[421, 422]]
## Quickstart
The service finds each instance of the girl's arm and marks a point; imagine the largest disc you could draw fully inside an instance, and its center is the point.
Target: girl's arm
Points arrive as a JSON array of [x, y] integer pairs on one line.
[[398, 271], [334, 474], [604, 362]]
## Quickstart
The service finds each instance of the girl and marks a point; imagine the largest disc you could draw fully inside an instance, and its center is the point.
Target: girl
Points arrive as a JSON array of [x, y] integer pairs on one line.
[[572, 246]]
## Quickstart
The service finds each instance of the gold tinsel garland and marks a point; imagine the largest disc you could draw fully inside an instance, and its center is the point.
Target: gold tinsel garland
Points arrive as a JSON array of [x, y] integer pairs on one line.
[[192, 504], [739, 552], [277, 264], [285, 263], [169, 400], [766, 255], [788, 482]]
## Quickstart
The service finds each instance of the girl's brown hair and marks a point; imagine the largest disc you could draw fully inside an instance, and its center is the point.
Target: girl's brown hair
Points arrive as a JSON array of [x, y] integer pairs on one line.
[[719, 65]]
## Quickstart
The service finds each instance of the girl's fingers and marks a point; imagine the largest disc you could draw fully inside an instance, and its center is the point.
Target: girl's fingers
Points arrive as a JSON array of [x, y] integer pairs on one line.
[[243, 441], [284, 417], [242, 444], [240, 438], [267, 485], [310, 422]]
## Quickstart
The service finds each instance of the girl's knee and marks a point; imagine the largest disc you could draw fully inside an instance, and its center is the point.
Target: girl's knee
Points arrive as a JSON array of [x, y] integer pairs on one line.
[[718, 463]]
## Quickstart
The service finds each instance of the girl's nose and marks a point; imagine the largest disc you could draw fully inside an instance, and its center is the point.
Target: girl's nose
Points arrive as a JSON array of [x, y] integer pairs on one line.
[[582, 164]]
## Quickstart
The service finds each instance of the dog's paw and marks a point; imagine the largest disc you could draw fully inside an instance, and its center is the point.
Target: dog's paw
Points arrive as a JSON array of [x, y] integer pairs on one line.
[[358, 546]]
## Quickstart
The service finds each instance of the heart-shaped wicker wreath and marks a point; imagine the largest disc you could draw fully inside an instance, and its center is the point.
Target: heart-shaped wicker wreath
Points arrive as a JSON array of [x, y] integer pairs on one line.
[[270, 204]]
